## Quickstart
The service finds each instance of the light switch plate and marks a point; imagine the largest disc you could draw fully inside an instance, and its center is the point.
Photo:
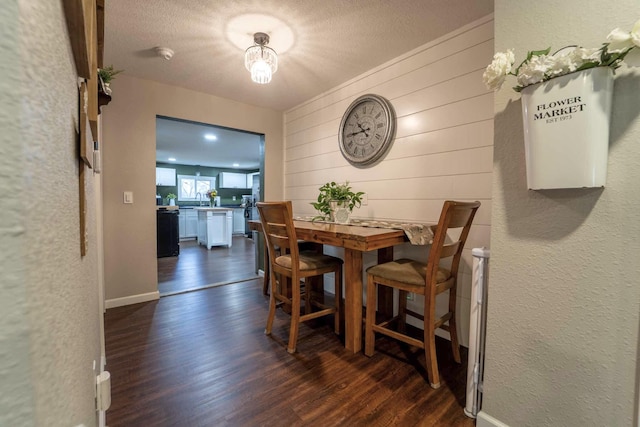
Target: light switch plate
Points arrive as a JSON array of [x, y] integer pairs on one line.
[[128, 196], [365, 199]]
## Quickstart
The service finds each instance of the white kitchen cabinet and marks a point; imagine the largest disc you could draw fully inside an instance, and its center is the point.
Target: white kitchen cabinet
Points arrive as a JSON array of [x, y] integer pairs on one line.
[[250, 179], [232, 180], [191, 224], [215, 226], [238, 221], [166, 176], [188, 224], [182, 224]]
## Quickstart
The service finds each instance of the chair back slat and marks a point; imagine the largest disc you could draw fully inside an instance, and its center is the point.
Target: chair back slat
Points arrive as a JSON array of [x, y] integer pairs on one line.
[[279, 231], [459, 217], [454, 215], [449, 250]]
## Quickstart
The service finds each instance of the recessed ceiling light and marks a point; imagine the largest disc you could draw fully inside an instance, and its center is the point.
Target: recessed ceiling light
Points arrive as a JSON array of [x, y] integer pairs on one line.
[[210, 137], [172, 159], [235, 165]]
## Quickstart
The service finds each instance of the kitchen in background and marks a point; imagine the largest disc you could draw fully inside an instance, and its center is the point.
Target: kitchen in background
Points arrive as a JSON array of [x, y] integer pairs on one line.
[[191, 158], [228, 196]]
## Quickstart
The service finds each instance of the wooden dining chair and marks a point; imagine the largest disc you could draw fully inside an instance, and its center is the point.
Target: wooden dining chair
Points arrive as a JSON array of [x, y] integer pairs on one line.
[[428, 279], [287, 260]]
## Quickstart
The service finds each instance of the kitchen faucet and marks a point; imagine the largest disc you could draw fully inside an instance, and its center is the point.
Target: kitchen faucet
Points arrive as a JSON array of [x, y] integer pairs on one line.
[[199, 198]]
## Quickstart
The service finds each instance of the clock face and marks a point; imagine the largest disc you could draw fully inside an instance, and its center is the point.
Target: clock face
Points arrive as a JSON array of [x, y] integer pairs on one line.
[[367, 130]]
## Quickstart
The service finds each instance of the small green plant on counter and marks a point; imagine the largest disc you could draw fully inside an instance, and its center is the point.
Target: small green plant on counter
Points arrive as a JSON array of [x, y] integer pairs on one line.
[[340, 193], [171, 196]]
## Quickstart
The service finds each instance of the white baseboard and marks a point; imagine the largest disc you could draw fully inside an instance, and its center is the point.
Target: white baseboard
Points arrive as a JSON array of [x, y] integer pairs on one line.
[[132, 299], [485, 420]]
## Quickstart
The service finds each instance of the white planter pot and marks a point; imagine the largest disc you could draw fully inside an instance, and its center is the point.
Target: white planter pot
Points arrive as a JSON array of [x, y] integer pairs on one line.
[[566, 130], [339, 212]]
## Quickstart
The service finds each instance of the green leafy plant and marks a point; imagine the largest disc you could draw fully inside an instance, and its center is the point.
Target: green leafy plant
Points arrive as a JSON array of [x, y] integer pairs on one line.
[[171, 196], [336, 192], [108, 73]]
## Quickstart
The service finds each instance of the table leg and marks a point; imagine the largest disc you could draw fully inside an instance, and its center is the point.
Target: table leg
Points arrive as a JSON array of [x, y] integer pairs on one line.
[[316, 283], [267, 266], [385, 293], [353, 299]]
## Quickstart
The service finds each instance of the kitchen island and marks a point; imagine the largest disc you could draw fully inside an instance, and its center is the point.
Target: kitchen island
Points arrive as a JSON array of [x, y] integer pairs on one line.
[[215, 226]]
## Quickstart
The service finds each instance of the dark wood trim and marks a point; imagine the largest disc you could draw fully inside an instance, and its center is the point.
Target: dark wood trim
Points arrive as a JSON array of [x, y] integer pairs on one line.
[[79, 16]]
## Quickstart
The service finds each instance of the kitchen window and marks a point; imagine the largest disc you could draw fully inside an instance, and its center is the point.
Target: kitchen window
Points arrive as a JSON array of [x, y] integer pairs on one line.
[[194, 188]]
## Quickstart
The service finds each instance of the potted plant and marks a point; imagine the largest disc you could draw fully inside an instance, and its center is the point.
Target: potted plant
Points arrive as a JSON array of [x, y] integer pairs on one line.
[[336, 202], [107, 74], [172, 199]]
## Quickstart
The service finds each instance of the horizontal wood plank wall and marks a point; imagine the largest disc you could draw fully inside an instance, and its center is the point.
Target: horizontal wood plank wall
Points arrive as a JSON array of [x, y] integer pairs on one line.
[[443, 147]]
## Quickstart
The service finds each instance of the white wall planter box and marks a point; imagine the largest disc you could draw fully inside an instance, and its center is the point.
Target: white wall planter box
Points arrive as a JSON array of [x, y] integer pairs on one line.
[[566, 130]]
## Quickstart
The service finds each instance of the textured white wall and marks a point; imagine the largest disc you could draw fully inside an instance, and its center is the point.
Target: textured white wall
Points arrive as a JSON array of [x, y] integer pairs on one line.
[[443, 147], [562, 339], [129, 155], [49, 326]]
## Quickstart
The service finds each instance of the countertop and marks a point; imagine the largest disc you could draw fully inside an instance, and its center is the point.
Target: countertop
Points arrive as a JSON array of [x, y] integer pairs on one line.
[[205, 208], [222, 206], [167, 208]]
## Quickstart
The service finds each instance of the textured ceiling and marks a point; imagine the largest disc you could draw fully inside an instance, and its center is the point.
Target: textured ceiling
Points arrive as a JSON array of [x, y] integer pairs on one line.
[[321, 43]]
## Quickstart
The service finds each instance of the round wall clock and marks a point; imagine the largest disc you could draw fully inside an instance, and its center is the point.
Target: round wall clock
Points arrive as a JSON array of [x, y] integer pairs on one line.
[[367, 130]]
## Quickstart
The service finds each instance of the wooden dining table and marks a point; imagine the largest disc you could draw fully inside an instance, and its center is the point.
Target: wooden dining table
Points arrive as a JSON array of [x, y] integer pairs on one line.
[[355, 240]]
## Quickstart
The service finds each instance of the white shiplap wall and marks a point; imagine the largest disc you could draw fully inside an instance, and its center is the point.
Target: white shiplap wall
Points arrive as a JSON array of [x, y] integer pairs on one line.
[[443, 147]]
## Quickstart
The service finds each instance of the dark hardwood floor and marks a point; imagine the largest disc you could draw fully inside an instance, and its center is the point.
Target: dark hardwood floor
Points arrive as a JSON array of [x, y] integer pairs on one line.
[[196, 267], [202, 359]]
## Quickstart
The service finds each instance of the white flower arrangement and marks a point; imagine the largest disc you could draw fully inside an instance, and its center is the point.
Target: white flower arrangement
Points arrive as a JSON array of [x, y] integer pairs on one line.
[[539, 66]]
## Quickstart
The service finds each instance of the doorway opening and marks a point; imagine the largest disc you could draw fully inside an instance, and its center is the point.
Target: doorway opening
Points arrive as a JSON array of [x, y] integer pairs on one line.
[[212, 243]]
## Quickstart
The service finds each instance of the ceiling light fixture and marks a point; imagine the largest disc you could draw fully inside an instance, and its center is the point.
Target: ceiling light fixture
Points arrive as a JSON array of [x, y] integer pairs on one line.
[[172, 159], [235, 165], [260, 60], [210, 137]]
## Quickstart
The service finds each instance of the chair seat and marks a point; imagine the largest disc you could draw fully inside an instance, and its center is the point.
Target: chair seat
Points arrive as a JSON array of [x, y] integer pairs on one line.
[[408, 271], [309, 261]]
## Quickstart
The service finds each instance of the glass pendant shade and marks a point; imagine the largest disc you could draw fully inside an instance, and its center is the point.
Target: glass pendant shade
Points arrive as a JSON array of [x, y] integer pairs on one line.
[[260, 60]]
